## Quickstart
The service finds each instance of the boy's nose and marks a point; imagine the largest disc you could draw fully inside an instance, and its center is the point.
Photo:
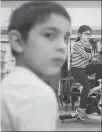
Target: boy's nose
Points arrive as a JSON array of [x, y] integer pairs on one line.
[[62, 46]]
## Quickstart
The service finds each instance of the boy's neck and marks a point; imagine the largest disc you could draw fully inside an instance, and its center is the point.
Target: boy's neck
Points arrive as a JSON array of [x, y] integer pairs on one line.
[[21, 63]]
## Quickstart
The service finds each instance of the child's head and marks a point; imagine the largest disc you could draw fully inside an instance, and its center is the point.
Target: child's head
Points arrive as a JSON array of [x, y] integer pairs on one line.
[[38, 34], [84, 33]]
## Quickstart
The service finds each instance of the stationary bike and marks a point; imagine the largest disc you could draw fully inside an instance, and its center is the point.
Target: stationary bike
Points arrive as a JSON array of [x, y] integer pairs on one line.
[[94, 105]]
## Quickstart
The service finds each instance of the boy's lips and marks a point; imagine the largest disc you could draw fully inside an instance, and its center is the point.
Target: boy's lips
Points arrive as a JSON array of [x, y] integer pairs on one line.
[[58, 61]]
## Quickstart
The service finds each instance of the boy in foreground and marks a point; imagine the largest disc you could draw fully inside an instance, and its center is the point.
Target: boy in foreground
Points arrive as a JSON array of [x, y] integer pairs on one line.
[[38, 33]]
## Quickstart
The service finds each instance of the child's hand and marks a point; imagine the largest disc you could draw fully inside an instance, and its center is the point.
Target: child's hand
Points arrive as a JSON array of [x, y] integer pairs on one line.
[[91, 92], [94, 61], [100, 81]]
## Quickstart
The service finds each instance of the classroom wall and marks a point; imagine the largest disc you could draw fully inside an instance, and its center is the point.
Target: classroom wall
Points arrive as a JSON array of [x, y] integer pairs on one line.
[[81, 12], [79, 16], [87, 16]]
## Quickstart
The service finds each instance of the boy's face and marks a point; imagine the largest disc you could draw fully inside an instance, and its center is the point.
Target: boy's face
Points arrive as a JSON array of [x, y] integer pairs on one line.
[[46, 48]]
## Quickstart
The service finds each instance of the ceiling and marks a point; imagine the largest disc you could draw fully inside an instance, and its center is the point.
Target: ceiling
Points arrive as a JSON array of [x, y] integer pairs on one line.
[[67, 4], [81, 4]]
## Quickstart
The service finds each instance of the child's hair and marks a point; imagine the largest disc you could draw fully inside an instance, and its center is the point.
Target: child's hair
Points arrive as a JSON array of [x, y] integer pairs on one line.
[[32, 13], [82, 29]]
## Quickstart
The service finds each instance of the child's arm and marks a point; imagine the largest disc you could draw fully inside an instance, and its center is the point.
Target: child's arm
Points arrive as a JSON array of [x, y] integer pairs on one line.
[[80, 49], [95, 89]]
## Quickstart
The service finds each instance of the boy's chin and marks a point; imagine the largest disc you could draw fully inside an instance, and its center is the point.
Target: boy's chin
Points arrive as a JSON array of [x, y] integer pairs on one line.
[[53, 72]]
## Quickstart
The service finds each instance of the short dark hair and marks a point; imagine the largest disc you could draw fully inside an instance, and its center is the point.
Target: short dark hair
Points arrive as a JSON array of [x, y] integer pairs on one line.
[[29, 14]]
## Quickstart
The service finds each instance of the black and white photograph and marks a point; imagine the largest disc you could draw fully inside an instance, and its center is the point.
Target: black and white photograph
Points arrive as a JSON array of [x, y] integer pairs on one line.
[[50, 74]]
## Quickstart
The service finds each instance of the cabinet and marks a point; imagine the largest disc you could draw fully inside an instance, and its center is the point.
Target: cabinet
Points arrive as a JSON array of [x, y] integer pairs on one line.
[[6, 59]]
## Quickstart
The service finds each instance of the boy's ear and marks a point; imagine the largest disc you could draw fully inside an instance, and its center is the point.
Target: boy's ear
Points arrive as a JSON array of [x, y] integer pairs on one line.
[[16, 41]]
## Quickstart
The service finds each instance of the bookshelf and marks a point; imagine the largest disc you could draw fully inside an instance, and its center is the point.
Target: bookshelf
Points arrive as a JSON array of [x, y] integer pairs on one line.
[[6, 59]]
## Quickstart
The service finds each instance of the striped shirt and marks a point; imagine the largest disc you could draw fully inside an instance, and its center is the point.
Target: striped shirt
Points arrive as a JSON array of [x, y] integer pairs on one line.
[[82, 53]]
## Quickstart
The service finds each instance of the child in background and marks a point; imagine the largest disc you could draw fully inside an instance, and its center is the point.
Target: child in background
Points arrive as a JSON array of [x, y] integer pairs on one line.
[[81, 67], [38, 33]]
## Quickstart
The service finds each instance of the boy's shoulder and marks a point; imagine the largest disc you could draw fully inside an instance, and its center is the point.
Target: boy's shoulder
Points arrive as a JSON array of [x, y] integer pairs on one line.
[[25, 99], [20, 75], [21, 79]]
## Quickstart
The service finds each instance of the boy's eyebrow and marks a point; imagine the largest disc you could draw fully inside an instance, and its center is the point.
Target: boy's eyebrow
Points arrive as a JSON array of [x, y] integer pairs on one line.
[[52, 28], [56, 30], [68, 33]]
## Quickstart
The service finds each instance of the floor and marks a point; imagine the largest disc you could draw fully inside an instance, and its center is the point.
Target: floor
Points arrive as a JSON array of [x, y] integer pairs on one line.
[[77, 125]]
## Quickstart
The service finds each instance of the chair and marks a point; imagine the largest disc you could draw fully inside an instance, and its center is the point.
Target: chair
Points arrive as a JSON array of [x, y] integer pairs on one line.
[[60, 90], [92, 80], [72, 90], [75, 93]]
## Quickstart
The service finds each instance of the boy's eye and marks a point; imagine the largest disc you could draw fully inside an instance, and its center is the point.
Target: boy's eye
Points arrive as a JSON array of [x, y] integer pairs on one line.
[[66, 39], [49, 35]]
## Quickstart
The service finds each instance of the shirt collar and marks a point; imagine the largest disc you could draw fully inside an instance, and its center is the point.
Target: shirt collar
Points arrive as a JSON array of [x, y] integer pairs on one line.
[[85, 44]]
